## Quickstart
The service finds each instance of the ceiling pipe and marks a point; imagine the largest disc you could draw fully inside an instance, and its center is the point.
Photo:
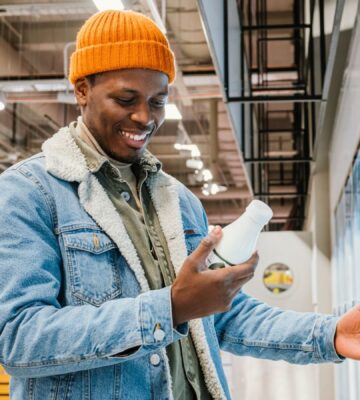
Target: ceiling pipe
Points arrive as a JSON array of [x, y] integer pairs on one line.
[[43, 9], [213, 136]]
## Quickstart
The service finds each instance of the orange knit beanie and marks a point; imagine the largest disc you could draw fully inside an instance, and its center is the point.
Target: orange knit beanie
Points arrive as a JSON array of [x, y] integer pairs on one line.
[[112, 40]]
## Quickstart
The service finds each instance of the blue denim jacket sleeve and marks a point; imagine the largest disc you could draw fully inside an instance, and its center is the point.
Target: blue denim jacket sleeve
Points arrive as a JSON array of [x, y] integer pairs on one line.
[[38, 336], [255, 329]]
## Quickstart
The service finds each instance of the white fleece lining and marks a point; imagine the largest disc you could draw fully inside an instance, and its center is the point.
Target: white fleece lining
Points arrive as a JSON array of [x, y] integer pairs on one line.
[[65, 161], [63, 157], [164, 194], [168, 374]]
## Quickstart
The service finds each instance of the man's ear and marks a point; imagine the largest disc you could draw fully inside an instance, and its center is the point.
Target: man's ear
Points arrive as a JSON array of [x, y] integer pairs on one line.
[[81, 90]]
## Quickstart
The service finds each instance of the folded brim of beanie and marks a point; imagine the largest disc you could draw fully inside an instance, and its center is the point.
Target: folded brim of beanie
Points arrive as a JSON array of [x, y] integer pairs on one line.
[[122, 55]]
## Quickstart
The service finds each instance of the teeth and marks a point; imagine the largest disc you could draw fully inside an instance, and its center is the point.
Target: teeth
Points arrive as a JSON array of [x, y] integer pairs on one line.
[[134, 137]]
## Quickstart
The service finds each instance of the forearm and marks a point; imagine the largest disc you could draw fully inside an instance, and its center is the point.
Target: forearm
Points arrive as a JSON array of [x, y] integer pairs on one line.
[[44, 340], [256, 329]]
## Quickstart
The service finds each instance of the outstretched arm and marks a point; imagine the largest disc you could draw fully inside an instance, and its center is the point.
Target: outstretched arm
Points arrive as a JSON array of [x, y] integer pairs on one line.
[[253, 328]]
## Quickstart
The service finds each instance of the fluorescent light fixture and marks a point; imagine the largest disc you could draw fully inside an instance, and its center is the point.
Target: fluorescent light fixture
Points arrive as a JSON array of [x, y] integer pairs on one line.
[[49, 87], [212, 188], [16, 89], [2, 101], [172, 112], [103, 5], [66, 98]]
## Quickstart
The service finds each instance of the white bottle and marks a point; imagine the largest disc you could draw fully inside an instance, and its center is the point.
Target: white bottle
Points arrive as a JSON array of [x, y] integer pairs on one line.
[[239, 238]]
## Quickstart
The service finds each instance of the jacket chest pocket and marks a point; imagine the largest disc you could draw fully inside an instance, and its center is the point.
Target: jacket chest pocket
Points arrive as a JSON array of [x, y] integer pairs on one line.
[[192, 239], [94, 273]]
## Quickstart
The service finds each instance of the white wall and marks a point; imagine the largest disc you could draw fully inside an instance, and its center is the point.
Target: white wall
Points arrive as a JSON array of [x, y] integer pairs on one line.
[[343, 147], [337, 138], [346, 132], [295, 250]]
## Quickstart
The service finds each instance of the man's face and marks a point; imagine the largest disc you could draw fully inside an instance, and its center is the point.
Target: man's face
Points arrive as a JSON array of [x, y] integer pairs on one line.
[[123, 109]]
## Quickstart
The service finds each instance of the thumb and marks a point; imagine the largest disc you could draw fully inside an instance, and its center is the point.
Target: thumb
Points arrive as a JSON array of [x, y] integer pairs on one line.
[[197, 258]]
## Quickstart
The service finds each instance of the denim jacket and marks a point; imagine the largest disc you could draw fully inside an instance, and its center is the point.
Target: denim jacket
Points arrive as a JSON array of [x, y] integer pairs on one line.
[[77, 318]]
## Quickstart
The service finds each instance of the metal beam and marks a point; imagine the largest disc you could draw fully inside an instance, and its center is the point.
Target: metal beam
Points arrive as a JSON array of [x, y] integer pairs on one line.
[[332, 54], [230, 194], [13, 84], [275, 26], [281, 195], [273, 99], [50, 9], [277, 160]]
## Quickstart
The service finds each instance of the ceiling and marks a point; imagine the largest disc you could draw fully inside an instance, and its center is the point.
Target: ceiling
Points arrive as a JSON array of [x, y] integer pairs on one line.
[[35, 39]]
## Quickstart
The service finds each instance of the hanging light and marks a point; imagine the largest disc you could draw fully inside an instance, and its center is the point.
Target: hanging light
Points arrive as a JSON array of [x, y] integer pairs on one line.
[[2, 101], [194, 163], [207, 175], [203, 175], [212, 188], [103, 5]]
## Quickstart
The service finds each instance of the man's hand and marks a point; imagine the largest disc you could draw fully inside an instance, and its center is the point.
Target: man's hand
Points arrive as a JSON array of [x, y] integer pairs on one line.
[[347, 338], [198, 291]]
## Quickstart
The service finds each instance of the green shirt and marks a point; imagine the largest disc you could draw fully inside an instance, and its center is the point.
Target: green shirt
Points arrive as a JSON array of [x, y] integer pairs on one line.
[[142, 224]]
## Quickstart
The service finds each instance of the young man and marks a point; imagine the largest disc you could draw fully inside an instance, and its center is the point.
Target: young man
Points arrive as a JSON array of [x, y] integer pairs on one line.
[[104, 291]]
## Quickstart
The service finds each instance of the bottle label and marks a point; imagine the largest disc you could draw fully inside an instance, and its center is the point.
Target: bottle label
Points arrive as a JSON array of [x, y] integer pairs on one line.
[[213, 262], [223, 259]]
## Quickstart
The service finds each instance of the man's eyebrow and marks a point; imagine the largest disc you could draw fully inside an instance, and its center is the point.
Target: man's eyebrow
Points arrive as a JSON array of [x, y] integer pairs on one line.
[[132, 91]]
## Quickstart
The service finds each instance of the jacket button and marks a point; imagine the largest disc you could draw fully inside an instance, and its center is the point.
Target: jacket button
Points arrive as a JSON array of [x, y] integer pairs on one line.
[[159, 335], [155, 359], [125, 196]]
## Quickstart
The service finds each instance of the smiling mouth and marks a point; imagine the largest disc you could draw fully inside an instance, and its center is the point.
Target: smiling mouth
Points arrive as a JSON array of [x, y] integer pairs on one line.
[[133, 136]]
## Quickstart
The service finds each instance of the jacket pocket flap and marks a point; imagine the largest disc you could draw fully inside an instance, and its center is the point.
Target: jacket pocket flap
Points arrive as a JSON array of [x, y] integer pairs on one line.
[[93, 242], [190, 230]]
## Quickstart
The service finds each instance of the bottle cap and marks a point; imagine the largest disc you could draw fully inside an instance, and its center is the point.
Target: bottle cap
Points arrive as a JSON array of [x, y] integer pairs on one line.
[[259, 212]]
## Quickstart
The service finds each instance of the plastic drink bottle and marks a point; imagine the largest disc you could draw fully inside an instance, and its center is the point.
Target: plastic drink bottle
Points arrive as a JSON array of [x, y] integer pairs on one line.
[[239, 238]]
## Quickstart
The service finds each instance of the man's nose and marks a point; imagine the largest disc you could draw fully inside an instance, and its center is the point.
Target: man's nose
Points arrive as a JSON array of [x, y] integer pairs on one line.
[[143, 114]]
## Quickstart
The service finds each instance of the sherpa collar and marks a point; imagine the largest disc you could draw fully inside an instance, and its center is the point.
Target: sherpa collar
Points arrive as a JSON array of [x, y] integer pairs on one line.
[[65, 161]]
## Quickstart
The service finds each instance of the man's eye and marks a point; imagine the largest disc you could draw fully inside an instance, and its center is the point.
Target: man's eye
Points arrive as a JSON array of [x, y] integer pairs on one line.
[[124, 101], [158, 103]]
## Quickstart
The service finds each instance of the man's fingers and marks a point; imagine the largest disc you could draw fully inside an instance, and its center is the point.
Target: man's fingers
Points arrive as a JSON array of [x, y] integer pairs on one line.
[[244, 270], [254, 259], [198, 257]]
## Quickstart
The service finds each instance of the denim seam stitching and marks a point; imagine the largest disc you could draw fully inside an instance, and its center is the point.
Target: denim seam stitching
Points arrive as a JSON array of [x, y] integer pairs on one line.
[[269, 345], [47, 197]]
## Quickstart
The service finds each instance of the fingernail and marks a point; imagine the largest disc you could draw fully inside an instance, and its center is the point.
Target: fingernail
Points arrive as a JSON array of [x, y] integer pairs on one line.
[[216, 230]]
